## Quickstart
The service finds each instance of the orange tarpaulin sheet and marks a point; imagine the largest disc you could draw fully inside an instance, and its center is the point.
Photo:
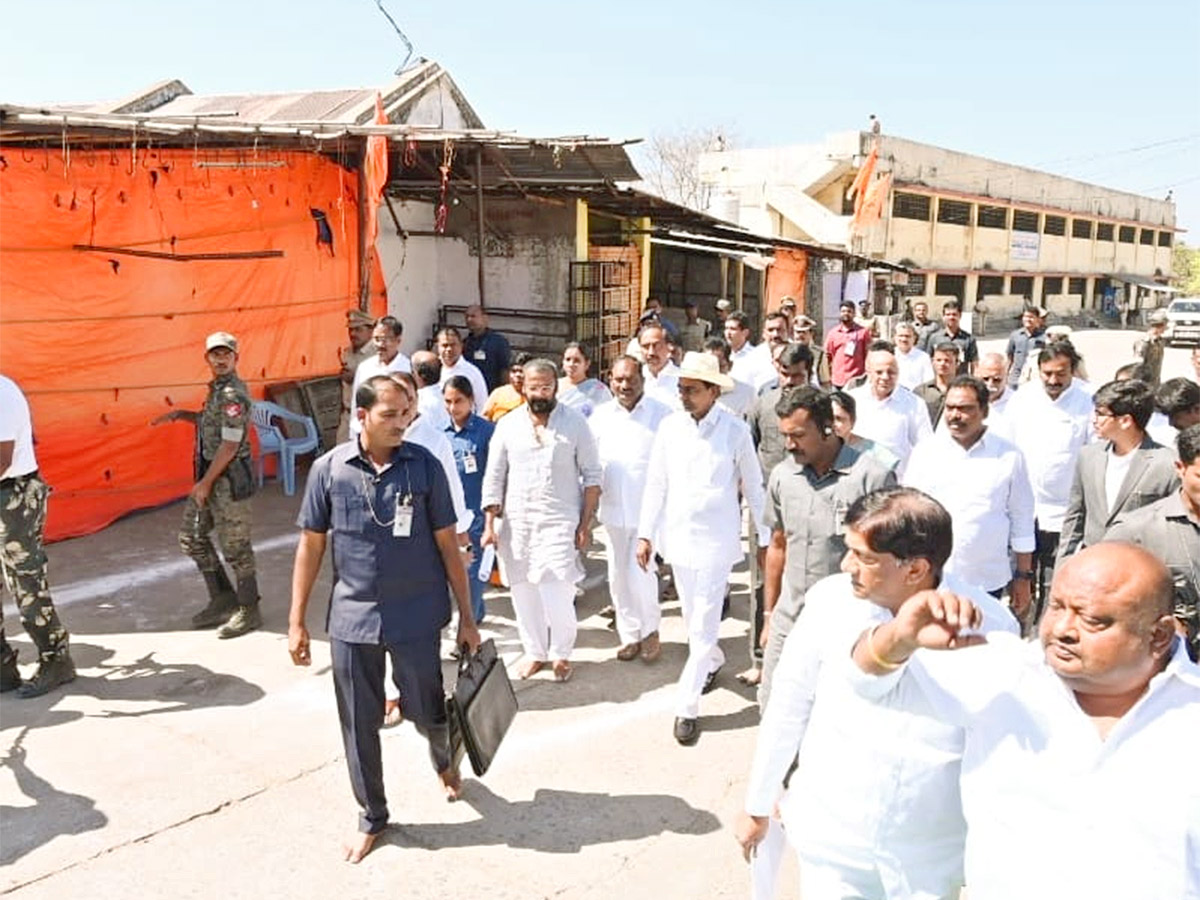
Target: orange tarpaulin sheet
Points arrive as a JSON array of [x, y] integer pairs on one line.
[[185, 243], [786, 277]]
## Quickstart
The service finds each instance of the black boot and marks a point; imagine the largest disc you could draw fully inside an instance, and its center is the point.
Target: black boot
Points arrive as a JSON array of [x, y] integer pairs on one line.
[[222, 600], [246, 617], [10, 675], [51, 672]]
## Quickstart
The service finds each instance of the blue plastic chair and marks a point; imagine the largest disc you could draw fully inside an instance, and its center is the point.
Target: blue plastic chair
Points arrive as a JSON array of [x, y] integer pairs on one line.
[[272, 439]]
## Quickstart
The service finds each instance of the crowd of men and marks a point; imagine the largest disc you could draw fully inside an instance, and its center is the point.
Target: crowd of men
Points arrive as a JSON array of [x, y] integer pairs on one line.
[[899, 499]]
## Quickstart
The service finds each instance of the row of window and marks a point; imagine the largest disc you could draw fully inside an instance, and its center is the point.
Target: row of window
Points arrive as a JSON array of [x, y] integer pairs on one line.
[[1019, 285], [958, 212]]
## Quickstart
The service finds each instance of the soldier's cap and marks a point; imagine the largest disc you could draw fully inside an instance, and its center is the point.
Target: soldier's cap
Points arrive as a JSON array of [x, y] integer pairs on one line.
[[1158, 317], [786, 302], [724, 305], [356, 317], [220, 339], [804, 323]]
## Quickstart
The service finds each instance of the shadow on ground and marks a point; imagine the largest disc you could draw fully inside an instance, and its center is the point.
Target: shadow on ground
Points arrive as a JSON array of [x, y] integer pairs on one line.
[[25, 828], [556, 821]]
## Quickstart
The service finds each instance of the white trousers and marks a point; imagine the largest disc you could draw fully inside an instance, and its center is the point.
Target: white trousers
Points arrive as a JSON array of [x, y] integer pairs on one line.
[[701, 594], [546, 618], [634, 592]]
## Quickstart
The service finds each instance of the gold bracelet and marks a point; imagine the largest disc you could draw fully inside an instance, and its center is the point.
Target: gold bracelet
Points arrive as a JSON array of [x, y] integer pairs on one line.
[[875, 657]]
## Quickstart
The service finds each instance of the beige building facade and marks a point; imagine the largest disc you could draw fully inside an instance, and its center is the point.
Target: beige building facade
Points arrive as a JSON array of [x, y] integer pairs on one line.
[[982, 231]]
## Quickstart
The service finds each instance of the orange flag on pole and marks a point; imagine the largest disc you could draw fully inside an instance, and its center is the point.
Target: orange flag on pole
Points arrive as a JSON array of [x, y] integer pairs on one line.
[[874, 198], [863, 178], [375, 168]]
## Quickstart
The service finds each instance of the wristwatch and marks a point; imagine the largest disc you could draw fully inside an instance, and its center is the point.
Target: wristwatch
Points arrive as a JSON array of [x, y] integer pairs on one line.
[[1023, 574]]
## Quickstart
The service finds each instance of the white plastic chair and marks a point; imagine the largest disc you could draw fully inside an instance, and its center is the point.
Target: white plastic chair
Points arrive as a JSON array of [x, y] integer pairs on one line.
[[272, 439]]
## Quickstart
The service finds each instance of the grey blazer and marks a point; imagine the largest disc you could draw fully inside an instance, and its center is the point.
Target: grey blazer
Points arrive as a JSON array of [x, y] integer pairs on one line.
[[1151, 476]]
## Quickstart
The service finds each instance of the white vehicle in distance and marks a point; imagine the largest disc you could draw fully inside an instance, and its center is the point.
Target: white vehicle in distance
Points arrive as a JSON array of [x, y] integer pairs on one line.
[[1183, 321]]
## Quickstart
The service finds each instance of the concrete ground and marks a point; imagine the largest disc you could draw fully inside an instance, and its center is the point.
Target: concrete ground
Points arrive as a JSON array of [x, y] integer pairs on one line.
[[178, 765]]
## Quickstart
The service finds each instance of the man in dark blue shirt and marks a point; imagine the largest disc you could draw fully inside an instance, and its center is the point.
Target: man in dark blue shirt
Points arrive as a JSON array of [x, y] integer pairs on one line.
[[1026, 342], [387, 505], [487, 349]]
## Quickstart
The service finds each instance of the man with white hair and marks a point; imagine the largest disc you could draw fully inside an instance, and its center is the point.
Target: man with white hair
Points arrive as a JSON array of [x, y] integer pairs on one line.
[[888, 414], [700, 457], [992, 370]]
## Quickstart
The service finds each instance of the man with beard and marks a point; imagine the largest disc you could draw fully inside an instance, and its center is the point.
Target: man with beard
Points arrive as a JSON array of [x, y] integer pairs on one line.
[[538, 517], [846, 347]]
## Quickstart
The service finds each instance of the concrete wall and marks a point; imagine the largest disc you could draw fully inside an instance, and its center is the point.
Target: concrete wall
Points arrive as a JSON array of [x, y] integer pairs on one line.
[[528, 251]]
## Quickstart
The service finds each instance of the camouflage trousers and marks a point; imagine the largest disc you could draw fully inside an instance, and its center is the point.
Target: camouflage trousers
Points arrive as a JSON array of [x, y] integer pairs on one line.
[[230, 519], [23, 561]]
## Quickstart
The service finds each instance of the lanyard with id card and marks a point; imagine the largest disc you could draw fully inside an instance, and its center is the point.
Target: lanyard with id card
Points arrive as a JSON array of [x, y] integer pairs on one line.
[[403, 522], [470, 464]]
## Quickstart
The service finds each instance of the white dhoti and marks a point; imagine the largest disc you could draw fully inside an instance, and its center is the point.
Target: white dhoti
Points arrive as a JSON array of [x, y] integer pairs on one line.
[[701, 595], [634, 591], [546, 619]]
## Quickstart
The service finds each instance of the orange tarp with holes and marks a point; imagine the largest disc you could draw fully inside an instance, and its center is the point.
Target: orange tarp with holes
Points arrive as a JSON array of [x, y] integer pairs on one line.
[[114, 265]]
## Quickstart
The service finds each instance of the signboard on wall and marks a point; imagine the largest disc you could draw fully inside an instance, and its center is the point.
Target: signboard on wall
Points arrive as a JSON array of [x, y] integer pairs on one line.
[[1024, 245]]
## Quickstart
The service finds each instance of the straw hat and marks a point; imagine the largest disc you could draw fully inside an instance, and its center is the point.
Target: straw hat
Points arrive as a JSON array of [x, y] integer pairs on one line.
[[704, 367]]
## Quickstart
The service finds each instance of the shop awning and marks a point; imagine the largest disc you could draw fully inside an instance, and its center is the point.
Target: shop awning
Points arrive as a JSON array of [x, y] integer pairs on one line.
[[1148, 283]]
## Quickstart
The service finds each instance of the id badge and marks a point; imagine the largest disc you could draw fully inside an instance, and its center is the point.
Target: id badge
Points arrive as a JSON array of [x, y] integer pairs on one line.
[[402, 524], [470, 466], [848, 349], [481, 354]]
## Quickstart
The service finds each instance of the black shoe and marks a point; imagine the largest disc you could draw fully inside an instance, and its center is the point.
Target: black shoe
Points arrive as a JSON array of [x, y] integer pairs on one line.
[[50, 674], [10, 675], [222, 600], [710, 680], [687, 731], [244, 620]]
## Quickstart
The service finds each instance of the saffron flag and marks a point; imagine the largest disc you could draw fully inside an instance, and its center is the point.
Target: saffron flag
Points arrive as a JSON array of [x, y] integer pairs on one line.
[[375, 170], [871, 209], [863, 178]]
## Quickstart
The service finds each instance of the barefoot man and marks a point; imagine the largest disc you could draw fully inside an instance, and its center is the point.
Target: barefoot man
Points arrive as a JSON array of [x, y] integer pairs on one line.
[[387, 504]]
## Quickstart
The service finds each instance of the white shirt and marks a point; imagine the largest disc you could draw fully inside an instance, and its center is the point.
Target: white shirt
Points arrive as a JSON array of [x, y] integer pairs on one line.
[[898, 422], [876, 785], [537, 475], [16, 425], [915, 367], [369, 368], [986, 491], [624, 439], [431, 404], [1050, 434], [691, 499], [1160, 429], [752, 365], [471, 372], [739, 399], [663, 387], [433, 439], [1053, 810], [1115, 469]]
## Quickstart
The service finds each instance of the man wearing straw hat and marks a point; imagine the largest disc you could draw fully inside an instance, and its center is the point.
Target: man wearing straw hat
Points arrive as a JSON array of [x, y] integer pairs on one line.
[[701, 456]]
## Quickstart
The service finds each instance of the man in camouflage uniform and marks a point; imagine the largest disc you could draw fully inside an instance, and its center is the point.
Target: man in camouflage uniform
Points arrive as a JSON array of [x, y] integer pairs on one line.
[[220, 499], [359, 326], [22, 556]]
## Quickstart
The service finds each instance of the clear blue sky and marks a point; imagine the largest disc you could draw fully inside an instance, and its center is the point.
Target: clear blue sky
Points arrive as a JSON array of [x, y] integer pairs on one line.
[[1078, 87]]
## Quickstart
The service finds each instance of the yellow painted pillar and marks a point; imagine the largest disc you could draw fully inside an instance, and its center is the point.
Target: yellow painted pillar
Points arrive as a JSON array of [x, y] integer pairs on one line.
[[581, 231], [642, 241]]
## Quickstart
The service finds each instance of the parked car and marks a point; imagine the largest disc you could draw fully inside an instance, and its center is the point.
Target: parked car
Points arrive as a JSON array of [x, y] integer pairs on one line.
[[1183, 321]]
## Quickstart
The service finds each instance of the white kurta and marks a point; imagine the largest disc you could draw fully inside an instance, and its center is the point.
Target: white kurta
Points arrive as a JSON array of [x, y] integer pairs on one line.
[[471, 372], [537, 478], [691, 498]]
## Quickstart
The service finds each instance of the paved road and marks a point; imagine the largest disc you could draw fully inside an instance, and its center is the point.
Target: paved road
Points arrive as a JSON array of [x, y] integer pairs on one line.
[[183, 766]]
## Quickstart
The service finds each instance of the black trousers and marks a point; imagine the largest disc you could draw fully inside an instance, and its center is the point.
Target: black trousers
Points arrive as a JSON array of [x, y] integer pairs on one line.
[[1045, 551], [358, 673]]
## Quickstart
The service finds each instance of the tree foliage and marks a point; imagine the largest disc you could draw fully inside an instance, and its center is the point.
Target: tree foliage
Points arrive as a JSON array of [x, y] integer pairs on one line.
[[670, 163], [1185, 263]]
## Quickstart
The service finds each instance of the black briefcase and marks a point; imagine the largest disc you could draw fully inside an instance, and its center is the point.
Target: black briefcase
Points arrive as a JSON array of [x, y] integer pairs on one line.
[[481, 708]]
